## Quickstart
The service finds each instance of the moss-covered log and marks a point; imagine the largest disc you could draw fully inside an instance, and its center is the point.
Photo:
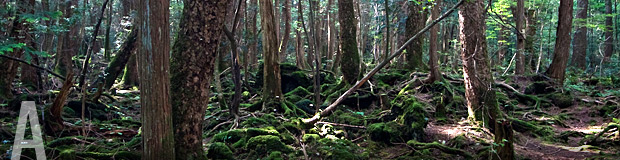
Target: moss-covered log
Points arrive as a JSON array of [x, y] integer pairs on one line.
[[115, 68]]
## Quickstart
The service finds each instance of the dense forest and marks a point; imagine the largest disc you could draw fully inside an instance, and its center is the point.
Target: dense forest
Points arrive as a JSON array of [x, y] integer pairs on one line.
[[309, 79]]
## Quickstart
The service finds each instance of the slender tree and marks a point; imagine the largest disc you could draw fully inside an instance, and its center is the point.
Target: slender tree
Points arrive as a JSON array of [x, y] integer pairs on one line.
[[519, 18], [557, 68], [433, 63], [67, 42], [415, 23], [253, 42], [191, 67], [609, 30], [580, 43], [350, 62], [272, 88], [153, 57], [286, 11]]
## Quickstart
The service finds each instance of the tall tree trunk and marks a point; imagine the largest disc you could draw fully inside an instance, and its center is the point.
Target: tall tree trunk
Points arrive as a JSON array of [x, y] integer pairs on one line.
[[68, 44], [272, 88], [415, 23], [287, 30], [331, 35], [350, 62], [19, 31], [519, 18], [386, 52], [609, 31], [580, 43], [253, 42], [117, 65], [191, 69], [130, 78], [557, 68], [317, 54], [153, 57], [435, 74], [276, 15], [530, 32], [107, 41], [478, 77], [310, 56]]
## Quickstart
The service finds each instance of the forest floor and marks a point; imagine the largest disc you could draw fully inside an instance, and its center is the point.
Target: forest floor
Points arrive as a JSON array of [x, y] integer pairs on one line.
[[394, 118]]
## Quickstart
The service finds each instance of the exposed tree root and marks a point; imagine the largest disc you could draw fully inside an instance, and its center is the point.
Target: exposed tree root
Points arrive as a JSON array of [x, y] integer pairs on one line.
[[609, 127]]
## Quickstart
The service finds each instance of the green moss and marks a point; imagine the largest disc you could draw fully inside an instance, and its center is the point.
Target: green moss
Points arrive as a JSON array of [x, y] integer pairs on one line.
[[229, 136], [112, 155], [410, 113], [219, 150], [607, 110], [275, 155], [561, 100], [309, 138], [346, 117], [387, 132], [299, 91], [69, 141], [390, 78], [266, 144], [339, 149]]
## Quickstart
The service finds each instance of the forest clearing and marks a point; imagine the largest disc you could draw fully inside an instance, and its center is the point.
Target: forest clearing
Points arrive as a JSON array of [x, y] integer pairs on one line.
[[309, 79]]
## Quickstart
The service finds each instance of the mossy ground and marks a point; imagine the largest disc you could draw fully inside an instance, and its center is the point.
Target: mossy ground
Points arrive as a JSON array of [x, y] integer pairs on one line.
[[390, 120]]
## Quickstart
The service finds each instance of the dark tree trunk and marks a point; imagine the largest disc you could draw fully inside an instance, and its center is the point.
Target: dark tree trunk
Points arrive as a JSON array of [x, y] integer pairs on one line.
[[19, 31], [287, 30], [192, 70], [350, 62], [107, 41], [331, 35], [253, 41], [580, 43], [561, 51], [520, 59], [478, 77], [115, 68], [609, 31], [271, 68], [68, 44], [415, 23], [501, 38], [530, 38], [435, 74], [130, 78], [386, 52], [153, 57]]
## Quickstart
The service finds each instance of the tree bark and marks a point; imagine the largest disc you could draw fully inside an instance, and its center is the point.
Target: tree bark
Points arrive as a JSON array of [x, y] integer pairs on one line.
[[253, 42], [580, 43], [119, 62], [435, 74], [557, 68], [530, 32], [153, 57], [520, 59], [331, 35], [415, 23], [193, 54], [67, 42], [478, 77], [386, 52], [107, 41], [272, 88], [609, 31], [350, 62], [130, 78], [287, 30]]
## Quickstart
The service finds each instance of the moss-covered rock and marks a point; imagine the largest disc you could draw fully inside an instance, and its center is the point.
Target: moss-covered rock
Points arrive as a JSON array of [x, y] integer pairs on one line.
[[562, 100], [347, 117], [219, 150], [410, 113], [390, 78], [310, 138], [267, 143], [304, 105], [387, 132], [275, 155], [339, 149]]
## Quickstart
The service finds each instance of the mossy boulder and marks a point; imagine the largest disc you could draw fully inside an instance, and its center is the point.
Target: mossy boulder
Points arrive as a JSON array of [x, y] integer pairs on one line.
[[562, 100], [339, 149], [219, 150], [387, 132], [267, 143], [410, 113], [292, 77], [390, 78], [275, 155], [348, 117], [304, 105]]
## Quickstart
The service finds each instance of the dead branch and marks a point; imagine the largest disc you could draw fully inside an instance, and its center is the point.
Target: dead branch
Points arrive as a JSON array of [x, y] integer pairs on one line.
[[35, 66]]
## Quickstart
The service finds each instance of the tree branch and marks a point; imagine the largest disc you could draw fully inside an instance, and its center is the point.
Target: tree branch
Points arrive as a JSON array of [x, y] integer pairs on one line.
[[35, 66]]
